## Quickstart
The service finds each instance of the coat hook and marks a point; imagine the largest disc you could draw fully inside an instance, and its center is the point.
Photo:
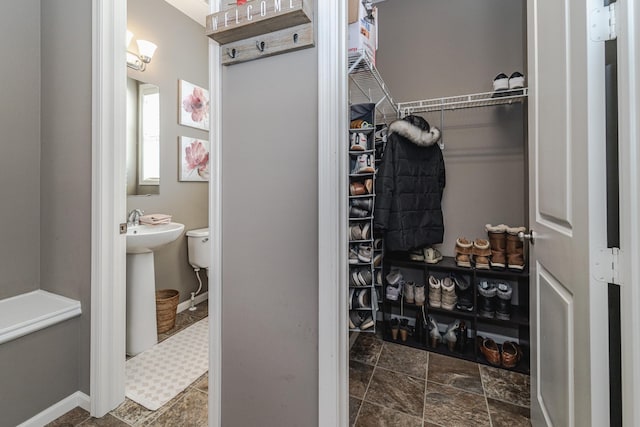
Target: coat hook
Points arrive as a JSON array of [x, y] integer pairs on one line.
[[232, 53], [260, 46], [295, 38]]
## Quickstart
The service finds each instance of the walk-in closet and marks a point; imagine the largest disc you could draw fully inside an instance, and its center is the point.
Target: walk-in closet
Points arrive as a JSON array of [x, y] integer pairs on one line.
[[450, 316]]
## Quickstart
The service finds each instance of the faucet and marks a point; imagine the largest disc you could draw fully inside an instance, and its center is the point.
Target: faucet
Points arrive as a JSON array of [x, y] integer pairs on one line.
[[133, 218]]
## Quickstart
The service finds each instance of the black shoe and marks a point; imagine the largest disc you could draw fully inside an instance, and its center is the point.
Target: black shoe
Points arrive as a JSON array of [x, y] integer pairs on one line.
[[464, 293], [487, 299]]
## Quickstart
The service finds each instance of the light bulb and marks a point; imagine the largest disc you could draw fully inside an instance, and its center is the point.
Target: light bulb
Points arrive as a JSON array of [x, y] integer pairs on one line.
[[146, 49]]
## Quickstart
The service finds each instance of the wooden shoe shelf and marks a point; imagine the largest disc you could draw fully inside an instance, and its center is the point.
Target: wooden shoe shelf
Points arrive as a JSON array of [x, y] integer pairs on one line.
[[515, 329]]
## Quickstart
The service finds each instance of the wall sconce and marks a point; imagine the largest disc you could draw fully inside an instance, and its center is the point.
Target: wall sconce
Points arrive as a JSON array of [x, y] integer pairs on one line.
[[146, 49]]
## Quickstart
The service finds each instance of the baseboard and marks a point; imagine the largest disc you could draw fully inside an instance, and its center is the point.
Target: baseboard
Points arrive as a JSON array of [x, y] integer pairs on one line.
[[59, 409], [198, 299]]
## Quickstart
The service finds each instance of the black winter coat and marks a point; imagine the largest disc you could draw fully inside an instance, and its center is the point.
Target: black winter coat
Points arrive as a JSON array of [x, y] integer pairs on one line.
[[409, 187]]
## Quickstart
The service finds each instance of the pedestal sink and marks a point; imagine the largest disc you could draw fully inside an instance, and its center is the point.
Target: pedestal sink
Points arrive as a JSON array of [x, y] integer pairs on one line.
[[142, 241]]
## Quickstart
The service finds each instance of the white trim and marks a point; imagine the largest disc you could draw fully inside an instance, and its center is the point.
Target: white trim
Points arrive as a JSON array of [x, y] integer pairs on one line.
[[629, 159], [108, 206], [58, 409], [215, 226], [33, 311], [333, 343], [197, 300]]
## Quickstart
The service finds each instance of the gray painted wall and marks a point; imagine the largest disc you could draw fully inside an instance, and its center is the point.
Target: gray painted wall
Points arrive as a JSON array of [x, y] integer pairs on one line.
[[433, 48], [42, 368], [182, 54], [19, 147], [270, 241]]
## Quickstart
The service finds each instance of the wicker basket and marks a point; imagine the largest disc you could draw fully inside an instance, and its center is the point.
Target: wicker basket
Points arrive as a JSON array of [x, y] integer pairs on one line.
[[166, 306]]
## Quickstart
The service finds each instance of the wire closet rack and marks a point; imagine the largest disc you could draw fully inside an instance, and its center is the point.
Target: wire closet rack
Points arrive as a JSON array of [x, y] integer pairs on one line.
[[366, 85], [485, 99]]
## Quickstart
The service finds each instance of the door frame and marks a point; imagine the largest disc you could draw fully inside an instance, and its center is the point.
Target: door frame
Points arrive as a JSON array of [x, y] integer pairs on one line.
[[108, 210], [629, 159]]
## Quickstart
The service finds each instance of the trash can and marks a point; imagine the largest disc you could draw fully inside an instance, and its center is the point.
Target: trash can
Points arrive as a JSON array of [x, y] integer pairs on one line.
[[166, 307]]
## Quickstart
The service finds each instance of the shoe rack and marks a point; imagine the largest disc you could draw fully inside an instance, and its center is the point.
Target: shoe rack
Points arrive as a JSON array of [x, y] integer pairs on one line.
[[515, 329], [365, 249]]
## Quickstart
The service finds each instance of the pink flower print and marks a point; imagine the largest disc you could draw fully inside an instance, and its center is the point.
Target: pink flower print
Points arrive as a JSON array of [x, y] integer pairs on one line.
[[197, 158], [196, 104]]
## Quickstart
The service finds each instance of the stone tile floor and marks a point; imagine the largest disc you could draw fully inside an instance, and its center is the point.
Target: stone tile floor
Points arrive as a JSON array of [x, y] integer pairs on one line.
[[389, 385], [188, 408], [394, 385]]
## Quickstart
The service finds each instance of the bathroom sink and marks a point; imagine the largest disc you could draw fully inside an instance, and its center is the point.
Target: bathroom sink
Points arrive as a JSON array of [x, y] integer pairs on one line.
[[147, 238]]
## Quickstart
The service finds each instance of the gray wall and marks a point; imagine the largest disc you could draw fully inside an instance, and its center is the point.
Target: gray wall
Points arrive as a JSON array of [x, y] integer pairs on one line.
[[182, 54], [433, 48], [270, 241], [19, 147], [42, 368]]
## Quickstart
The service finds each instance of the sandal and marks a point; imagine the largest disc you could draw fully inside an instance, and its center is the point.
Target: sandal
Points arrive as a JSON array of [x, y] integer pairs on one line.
[[463, 252]]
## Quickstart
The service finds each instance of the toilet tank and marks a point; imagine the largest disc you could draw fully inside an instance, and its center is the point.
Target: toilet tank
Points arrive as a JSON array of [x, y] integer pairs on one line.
[[199, 247]]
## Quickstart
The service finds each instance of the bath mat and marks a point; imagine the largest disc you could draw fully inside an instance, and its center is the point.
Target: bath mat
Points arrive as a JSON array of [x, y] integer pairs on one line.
[[157, 375]]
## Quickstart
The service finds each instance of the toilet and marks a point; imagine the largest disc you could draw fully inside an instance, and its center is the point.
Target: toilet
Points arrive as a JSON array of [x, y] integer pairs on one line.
[[199, 248]]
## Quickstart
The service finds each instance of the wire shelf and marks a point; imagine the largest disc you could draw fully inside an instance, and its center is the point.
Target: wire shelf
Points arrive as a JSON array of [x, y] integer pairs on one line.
[[475, 100], [366, 85]]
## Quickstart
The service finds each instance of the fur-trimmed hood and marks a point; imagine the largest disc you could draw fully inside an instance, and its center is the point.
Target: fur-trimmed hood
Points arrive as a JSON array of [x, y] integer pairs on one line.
[[424, 136]]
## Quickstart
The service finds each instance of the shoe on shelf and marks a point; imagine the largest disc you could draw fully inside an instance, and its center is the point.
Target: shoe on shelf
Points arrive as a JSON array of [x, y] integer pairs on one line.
[[355, 232], [377, 260], [364, 253], [435, 292], [353, 255], [365, 277], [500, 82], [368, 185], [419, 294], [434, 334], [449, 298], [515, 249], [394, 324], [364, 298], [416, 255], [464, 291], [354, 320], [463, 252], [432, 255], [367, 321], [356, 212], [379, 277], [487, 303], [498, 242], [481, 252], [461, 336], [365, 204], [394, 277], [409, 292], [358, 142], [450, 337], [352, 293], [357, 189], [404, 329], [490, 351], [503, 310], [360, 124], [364, 164], [377, 244], [516, 80], [511, 354], [393, 292], [366, 231]]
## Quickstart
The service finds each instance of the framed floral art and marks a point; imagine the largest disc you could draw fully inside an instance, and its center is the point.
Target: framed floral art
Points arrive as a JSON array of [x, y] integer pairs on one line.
[[194, 105], [193, 160]]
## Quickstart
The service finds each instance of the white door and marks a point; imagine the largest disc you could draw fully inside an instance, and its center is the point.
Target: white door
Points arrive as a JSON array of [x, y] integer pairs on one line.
[[567, 205]]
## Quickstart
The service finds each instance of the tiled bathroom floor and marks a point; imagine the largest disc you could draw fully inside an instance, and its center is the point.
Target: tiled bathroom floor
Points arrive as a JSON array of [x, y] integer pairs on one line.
[[399, 386], [389, 385], [188, 408]]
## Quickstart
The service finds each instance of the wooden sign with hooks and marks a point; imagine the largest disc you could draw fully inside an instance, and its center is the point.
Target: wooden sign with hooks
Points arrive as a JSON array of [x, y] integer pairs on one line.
[[263, 28]]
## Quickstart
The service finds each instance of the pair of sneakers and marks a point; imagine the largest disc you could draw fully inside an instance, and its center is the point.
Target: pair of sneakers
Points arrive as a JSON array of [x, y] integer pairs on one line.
[[501, 82], [359, 299], [361, 208], [359, 254], [358, 142], [429, 255], [360, 319], [442, 293], [360, 277], [364, 164], [360, 231], [358, 188]]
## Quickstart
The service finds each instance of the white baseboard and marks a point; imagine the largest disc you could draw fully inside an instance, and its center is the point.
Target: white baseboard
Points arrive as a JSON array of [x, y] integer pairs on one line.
[[198, 299], [59, 409]]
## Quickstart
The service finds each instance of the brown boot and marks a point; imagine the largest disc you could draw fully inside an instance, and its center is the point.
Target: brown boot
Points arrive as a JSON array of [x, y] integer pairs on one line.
[[498, 242], [463, 252], [481, 251], [515, 249]]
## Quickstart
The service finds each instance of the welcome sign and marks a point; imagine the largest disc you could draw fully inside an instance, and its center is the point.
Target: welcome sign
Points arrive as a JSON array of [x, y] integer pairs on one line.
[[257, 17]]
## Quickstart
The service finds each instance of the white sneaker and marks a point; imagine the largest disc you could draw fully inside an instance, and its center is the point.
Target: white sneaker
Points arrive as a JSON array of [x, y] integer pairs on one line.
[[364, 164], [358, 142], [516, 81], [432, 255]]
